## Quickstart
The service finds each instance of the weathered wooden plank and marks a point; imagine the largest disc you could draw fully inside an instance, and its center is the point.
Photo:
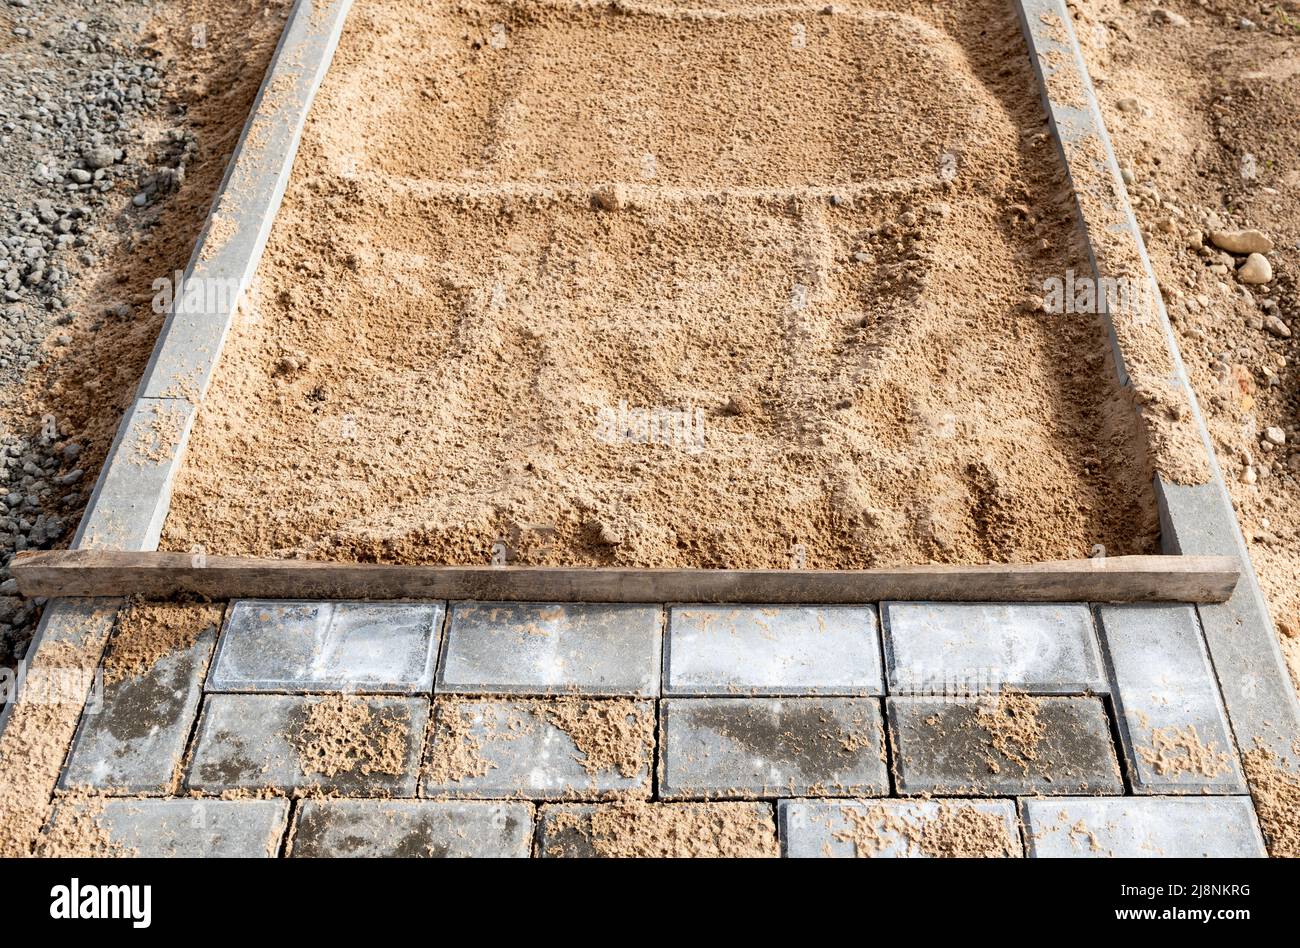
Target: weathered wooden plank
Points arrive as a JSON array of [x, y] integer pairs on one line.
[[162, 575]]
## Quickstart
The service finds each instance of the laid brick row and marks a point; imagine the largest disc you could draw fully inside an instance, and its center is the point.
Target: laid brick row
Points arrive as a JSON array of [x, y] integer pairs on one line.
[[1077, 827], [592, 749], [744, 745]]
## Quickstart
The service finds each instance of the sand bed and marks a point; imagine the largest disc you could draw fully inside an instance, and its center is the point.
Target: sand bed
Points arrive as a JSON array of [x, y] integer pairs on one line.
[[660, 287]]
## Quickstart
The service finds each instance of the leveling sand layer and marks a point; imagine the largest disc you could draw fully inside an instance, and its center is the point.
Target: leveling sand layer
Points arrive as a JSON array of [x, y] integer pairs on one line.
[[661, 286]]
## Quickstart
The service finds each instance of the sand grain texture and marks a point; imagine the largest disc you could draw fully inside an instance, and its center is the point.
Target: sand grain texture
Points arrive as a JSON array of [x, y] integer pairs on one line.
[[510, 222]]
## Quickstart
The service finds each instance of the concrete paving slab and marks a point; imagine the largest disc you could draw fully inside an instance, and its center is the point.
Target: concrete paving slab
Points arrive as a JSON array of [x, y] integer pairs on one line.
[[250, 742], [983, 747], [550, 648], [898, 828], [413, 828], [553, 749], [735, 748], [772, 650], [283, 645], [959, 648], [1171, 720], [134, 741], [190, 829], [669, 830], [1135, 827]]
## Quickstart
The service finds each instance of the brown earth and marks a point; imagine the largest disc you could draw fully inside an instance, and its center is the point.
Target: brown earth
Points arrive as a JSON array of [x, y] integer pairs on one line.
[[624, 285]]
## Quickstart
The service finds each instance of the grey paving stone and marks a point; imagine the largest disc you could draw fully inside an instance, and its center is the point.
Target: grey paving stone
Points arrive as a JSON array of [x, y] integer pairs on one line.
[[413, 828], [185, 828], [548, 648], [133, 742], [772, 650], [944, 746], [733, 748], [277, 645], [672, 830], [1131, 827], [1171, 720], [958, 648], [544, 749], [257, 741], [897, 828]]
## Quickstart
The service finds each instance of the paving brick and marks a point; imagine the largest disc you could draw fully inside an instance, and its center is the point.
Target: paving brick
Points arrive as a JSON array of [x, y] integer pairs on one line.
[[898, 828], [548, 648], [1171, 720], [134, 739], [409, 828], [256, 741], [958, 648], [773, 650], [671, 830], [546, 749], [185, 828], [729, 748], [1129, 827], [944, 746], [271, 645]]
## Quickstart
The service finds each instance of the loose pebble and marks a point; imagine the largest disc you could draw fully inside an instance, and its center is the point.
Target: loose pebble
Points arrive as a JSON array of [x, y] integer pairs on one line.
[[1256, 271]]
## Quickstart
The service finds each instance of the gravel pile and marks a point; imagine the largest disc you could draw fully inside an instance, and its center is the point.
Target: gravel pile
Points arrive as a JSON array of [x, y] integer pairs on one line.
[[75, 90]]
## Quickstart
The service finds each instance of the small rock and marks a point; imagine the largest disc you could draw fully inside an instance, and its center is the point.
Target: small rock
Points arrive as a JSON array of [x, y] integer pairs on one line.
[[1277, 327], [1241, 241], [1256, 270], [1169, 17], [738, 405], [610, 197], [605, 534], [99, 156], [1274, 435]]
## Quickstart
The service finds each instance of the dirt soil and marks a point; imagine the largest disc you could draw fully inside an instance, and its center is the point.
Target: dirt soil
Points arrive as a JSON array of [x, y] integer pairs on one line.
[[645, 286]]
